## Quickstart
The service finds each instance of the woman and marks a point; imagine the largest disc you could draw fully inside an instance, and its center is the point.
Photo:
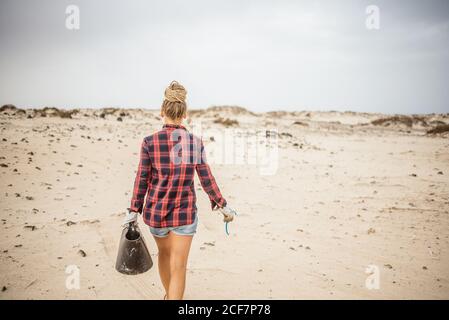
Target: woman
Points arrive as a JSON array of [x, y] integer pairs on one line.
[[168, 161]]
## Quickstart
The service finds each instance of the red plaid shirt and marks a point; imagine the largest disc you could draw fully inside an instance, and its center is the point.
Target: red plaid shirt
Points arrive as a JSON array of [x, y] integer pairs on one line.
[[168, 161]]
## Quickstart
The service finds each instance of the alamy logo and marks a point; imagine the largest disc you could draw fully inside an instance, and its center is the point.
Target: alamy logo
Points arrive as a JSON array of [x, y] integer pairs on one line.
[[372, 21], [73, 279], [373, 279], [72, 20], [230, 146]]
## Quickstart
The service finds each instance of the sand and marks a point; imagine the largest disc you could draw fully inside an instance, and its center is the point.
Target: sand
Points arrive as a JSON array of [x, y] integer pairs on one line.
[[347, 194]]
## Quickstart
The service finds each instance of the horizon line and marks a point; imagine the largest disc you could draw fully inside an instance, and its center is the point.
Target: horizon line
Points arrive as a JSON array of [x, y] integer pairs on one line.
[[324, 110]]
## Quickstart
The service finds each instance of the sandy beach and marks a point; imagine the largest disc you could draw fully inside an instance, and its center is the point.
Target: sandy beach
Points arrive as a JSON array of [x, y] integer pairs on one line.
[[350, 193]]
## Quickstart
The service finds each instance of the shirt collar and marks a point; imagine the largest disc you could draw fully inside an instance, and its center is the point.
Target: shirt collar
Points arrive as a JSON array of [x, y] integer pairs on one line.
[[176, 126]]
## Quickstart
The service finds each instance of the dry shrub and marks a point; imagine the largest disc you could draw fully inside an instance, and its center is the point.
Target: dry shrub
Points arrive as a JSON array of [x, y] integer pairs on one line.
[[108, 111], [439, 129], [8, 107], [408, 121], [277, 114], [226, 122], [195, 112], [300, 123], [232, 109], [53, 112], [437, 123]]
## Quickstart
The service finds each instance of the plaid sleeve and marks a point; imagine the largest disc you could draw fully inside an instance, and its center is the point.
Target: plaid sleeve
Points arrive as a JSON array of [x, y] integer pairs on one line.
[[208, 181], [143, 177]]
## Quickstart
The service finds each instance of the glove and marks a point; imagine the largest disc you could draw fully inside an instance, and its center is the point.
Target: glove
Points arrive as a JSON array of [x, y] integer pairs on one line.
[[131, 217], [228, 213]]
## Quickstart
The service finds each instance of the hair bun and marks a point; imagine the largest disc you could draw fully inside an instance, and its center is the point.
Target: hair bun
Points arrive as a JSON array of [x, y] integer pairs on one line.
[[175, 92]]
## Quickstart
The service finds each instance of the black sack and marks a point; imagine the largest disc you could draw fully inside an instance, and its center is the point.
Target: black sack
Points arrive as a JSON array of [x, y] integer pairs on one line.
[[133, 255]]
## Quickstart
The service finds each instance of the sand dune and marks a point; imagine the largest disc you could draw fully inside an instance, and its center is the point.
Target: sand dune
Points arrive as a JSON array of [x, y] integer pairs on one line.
[[352, 190]]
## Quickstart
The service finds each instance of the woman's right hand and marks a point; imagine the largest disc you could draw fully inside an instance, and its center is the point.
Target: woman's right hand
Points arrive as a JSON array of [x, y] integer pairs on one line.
[[228, 213]]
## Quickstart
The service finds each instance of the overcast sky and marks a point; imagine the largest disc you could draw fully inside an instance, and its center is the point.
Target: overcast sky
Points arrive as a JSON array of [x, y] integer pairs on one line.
[[262, 55]]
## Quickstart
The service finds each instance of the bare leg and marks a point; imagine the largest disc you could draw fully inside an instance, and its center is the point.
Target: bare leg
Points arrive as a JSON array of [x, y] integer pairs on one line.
[[179, 254], [163, 245]]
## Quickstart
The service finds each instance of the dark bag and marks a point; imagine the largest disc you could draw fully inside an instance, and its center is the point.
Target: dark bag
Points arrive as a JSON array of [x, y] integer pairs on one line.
[[133, 255]]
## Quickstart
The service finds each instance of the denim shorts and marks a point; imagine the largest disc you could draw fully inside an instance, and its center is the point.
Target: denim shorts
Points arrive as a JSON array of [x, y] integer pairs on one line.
[[185, 230]]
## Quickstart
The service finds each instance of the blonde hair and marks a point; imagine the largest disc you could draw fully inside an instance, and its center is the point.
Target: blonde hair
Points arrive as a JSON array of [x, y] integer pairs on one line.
[[174, 105]]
